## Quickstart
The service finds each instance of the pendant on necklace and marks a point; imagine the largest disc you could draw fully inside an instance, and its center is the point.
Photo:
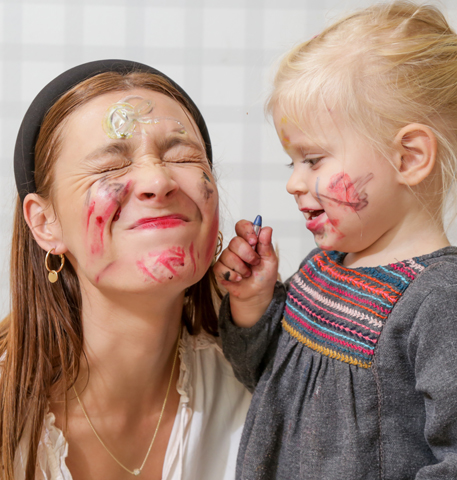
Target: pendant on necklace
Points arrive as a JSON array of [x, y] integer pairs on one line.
[[137, 471]]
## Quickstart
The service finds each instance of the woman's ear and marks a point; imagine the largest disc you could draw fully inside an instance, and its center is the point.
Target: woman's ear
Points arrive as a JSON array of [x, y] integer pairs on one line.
[[43, 223], [416, 147]]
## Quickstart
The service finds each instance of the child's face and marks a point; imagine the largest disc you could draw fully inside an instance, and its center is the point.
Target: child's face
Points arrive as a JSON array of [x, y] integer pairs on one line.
[[347, 191]]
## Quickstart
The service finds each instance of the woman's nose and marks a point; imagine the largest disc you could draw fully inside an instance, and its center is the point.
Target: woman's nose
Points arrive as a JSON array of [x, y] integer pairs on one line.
[[297, 184], [155, 182]]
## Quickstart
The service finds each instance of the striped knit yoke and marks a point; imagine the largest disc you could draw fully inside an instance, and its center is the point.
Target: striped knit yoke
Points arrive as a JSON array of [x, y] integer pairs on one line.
[[340, 312]]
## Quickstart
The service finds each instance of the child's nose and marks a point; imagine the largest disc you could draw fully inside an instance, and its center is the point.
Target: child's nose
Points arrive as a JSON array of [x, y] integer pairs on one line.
[[297, 184], [155, 181]]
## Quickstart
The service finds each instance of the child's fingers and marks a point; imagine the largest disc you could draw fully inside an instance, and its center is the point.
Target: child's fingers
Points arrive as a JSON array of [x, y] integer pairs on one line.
[[233, 262], [225, 274], [245, 230], [264, 246], [244, 251]]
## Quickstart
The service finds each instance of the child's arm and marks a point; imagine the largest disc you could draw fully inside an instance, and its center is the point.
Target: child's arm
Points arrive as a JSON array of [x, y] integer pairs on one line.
[[248, 274], [250, 316], [432, 350]]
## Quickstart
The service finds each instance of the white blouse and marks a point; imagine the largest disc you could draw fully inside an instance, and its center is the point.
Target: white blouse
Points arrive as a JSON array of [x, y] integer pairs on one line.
[[207, 429]]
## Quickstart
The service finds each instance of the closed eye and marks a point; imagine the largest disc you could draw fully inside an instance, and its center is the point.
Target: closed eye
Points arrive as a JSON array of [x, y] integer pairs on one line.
[[114, 167], [181, 155]]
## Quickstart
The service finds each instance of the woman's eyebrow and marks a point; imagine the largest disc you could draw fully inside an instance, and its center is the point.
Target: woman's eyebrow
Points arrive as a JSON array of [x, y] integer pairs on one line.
[[165, 144], [118, 149]]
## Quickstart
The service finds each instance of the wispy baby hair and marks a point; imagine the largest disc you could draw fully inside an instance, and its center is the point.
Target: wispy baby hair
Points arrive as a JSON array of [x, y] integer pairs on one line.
[[380, 68]]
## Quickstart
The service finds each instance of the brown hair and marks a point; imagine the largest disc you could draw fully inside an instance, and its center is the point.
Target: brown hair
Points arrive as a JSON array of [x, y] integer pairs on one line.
[[41, 340], [381, 68]]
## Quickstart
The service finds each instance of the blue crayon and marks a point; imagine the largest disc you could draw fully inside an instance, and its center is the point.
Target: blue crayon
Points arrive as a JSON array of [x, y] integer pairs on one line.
[[257, 226]]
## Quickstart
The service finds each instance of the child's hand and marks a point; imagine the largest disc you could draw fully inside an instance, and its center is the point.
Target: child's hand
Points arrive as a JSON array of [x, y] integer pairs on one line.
[[248, 274]]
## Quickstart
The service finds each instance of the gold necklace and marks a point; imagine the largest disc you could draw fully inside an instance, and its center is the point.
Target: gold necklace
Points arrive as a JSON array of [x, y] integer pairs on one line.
[[136, 471]]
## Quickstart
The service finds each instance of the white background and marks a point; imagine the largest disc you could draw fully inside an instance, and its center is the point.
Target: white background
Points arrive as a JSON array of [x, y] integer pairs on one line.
[[221, 52]]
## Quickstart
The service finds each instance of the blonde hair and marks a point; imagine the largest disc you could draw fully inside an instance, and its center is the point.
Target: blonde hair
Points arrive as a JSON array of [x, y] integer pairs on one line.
[[381, 68]]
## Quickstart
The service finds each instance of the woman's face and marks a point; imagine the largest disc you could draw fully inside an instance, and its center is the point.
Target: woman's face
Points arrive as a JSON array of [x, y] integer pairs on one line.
[[141, 211]]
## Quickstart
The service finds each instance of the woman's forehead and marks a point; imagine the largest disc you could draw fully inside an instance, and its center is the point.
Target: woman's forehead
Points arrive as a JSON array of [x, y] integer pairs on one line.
[[159, 105], [85, 133], [123, 114]]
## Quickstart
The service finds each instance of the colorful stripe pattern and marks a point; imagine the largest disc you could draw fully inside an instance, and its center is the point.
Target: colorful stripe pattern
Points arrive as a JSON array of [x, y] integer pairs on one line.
[[339, 312]]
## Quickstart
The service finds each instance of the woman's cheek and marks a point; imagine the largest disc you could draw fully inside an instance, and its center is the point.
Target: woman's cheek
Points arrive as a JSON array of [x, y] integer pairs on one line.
[[212, 238], [101, 207]]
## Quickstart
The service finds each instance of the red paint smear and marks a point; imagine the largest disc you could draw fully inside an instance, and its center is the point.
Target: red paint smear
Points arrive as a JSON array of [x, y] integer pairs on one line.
[[90, 211], [117, 215], [173, 257], [143, 268], [346, 192], [191, 252], [114, 199]]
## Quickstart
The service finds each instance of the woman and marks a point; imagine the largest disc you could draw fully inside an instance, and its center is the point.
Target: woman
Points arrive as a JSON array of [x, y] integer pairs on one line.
[[115, 230]]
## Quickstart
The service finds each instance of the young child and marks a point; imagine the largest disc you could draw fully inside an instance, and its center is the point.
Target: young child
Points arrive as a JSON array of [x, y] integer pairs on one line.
[[353, 363]]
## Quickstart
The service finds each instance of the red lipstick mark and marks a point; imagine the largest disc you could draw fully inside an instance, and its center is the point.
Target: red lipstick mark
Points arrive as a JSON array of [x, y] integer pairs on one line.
[[117, 215], [191, 252], [90, 211], [173, 257], [140, 264], [348, 193], [108, 201], [168, 221]]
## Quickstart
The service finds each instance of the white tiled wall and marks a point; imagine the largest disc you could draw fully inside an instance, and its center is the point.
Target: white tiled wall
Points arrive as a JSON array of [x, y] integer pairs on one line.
[[221, 52]]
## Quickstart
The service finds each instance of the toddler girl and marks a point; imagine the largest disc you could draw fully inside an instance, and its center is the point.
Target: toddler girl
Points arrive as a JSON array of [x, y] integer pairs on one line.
[[353, 363]]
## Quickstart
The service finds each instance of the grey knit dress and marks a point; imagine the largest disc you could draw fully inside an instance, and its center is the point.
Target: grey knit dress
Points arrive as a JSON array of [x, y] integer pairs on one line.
[[354, 372]]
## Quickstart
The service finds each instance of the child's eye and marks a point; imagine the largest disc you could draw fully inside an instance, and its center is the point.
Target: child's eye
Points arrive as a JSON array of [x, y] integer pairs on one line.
[[312, 161]]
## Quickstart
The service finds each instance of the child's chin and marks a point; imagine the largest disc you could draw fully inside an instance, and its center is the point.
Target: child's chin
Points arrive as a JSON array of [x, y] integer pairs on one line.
[[323, 245]]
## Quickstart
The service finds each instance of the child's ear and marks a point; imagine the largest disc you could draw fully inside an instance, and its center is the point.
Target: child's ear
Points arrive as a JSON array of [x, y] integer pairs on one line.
[[43, 223], [416, 149]]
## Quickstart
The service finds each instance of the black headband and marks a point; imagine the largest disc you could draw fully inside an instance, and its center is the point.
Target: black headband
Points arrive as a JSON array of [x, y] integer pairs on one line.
[[24, 152]]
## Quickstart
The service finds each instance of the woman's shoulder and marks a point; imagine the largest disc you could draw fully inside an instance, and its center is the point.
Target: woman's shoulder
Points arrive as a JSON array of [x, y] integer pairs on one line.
[[204, 351]]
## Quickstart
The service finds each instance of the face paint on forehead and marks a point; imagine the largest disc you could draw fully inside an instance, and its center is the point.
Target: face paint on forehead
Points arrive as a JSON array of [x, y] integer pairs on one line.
[[131, 115]]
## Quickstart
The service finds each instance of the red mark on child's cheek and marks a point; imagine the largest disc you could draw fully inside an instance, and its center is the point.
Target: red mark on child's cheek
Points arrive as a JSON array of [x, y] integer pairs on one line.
[[191, 252], [173, 257], [347, 193]]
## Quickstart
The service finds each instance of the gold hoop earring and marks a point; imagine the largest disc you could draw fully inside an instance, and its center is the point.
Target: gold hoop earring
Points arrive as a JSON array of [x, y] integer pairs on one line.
[[53, 275], [220, 242]]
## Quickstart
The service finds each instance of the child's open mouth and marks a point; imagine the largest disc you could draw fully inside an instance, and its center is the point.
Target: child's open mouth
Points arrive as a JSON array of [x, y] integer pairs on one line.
[[312, 214]]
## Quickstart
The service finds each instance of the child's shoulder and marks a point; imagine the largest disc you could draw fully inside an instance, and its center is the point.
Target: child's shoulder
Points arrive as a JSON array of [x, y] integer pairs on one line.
[[438, 269]]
